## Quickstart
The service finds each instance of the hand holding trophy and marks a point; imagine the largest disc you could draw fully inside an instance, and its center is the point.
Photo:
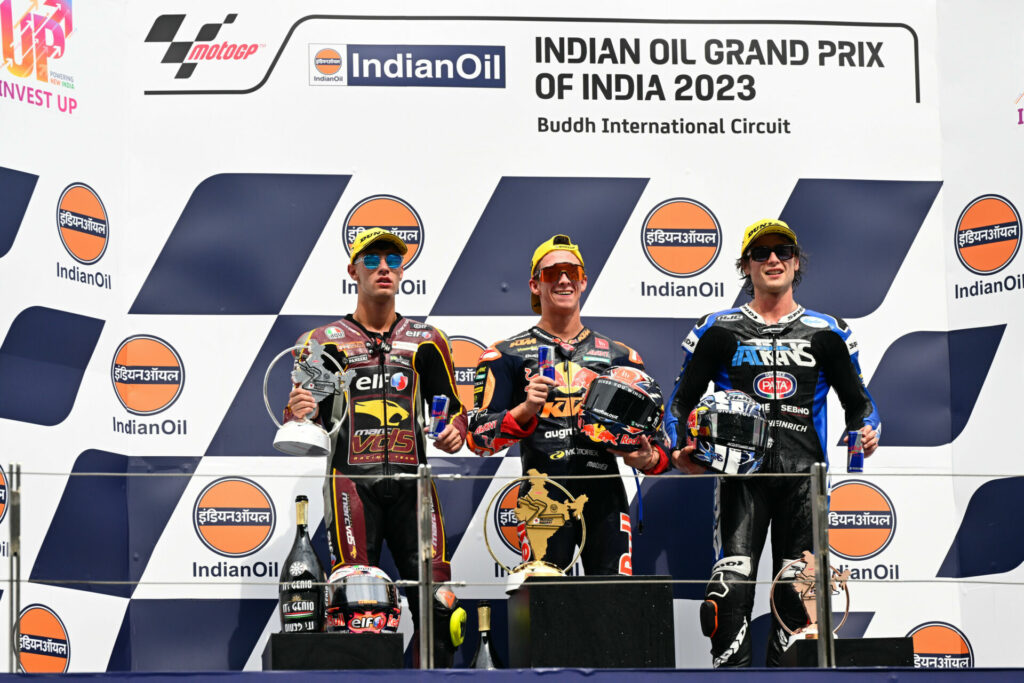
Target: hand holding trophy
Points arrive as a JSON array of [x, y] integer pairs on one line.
[[300, 436]]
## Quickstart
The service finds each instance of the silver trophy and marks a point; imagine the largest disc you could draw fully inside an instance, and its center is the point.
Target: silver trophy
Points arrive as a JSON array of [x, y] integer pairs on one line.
[[300, 436]]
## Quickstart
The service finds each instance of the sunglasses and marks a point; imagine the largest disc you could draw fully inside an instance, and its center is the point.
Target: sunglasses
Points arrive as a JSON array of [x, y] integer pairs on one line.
[[783, 251], [553, 274], [372, 261]]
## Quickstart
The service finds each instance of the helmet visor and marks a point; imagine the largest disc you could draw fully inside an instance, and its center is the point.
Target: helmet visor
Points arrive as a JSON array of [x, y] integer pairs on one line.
[[617, 402], [733, 429]]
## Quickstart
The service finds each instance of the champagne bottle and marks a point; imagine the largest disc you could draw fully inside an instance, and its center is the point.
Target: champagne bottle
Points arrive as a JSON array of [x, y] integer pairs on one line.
[[303, 602], [486, 656]]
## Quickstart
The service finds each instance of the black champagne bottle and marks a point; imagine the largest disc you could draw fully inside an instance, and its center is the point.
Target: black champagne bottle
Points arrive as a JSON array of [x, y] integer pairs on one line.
[[303, 606], [486, 656]]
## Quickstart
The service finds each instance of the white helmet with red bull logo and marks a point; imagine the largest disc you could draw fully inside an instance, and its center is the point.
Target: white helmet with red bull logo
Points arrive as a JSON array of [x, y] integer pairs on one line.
[[730, 431], [621, 405]]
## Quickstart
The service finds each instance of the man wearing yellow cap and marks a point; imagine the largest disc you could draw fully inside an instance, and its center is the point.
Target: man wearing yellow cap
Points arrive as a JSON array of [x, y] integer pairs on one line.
[[786, 358], [515, 403], [393, 365]]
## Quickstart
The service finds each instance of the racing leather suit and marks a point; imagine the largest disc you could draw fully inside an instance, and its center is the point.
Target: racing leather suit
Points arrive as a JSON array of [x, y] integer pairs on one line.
[[381, 409], [789, 367], [553, 443]]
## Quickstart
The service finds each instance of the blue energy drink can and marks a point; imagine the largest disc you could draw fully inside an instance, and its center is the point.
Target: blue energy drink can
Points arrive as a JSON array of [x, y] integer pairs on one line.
[[854, 452], [438, 416], [546, 361]]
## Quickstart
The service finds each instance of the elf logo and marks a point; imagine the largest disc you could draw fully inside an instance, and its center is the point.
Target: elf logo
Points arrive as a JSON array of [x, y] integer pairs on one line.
[[234, 517], [43, 643], [987, 234], [147, 373], [861, 520], [938, 645], [82, 223], [681, 237], [29, 42], [391, 213]]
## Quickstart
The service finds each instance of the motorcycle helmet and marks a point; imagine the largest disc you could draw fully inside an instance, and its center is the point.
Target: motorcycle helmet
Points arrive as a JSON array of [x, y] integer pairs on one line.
[[730, 431], [621, 404], [362, 599]]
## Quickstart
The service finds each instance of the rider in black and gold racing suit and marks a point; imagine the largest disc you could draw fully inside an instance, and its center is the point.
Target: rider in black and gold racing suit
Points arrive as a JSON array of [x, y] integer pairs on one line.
[[550, 438], [392, 365]]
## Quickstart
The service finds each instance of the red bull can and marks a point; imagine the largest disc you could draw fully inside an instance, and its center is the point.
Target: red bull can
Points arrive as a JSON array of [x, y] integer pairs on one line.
[[438, 416], [854, 452], [546, 361]]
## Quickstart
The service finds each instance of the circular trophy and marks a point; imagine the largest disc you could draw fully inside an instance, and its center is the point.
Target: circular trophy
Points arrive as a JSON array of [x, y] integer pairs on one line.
[[798, 576], [300, 436], [539, 518]]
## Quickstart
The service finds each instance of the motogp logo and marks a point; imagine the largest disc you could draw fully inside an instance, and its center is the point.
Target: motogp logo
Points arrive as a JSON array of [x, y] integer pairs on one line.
[[774, 385]]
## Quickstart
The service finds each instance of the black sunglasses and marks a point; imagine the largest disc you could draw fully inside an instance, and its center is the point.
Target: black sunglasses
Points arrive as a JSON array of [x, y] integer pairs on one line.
[[783, 251]]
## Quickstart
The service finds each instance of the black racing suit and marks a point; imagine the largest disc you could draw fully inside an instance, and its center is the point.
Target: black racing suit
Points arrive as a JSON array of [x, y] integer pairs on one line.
[[382, 434], [553, 443], [789, 367]]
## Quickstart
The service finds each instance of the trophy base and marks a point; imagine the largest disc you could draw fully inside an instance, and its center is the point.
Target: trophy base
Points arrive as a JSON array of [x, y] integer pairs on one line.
[[809, 632], [302, 438], [528, 569], [887, 652]]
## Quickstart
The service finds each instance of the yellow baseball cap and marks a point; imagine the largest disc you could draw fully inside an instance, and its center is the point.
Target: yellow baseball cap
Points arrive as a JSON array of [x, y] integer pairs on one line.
[[556, 243], [767, 226], [371, 235]]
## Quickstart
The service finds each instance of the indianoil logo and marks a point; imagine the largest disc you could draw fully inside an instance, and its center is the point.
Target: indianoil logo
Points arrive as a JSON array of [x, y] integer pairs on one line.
[[43, 643], [861, 520], [681, 237], [391, 213], [938, 645], [82, 223], [505, 520], [465, 354], [987, 234], [327, 61], [147, 373], [3, 494], [234, 517]]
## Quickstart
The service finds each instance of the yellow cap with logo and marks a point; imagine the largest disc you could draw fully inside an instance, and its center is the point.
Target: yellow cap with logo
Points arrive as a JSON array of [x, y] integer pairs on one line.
[[556, 243], [767, 226], [371, 235]]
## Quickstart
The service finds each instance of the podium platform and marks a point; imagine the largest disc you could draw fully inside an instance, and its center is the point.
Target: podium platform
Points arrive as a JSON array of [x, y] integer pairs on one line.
[[587, 622], [854, 652], [306, 651]]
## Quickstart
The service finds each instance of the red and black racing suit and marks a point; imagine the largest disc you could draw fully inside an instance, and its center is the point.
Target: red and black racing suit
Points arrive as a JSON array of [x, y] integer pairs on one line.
[[789, 367], [381, 435], [553, 444]]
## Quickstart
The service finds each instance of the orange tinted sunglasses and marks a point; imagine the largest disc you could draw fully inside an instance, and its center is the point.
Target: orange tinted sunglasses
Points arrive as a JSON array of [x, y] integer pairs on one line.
[[553, 273]]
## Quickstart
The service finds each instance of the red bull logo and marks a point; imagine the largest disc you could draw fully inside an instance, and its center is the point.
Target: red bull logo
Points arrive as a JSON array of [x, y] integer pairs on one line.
[[465, 354], [597, 433], [82, 223], [681, 237], [861, 520], [938, 645], [388, 212], [234, 517], [987, 234], [43, 643], [148, 374], [39, 35]]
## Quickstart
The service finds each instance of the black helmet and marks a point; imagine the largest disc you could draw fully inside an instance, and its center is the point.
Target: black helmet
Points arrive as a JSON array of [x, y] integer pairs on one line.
[[730, 432], [621, 404], [362, 599]]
